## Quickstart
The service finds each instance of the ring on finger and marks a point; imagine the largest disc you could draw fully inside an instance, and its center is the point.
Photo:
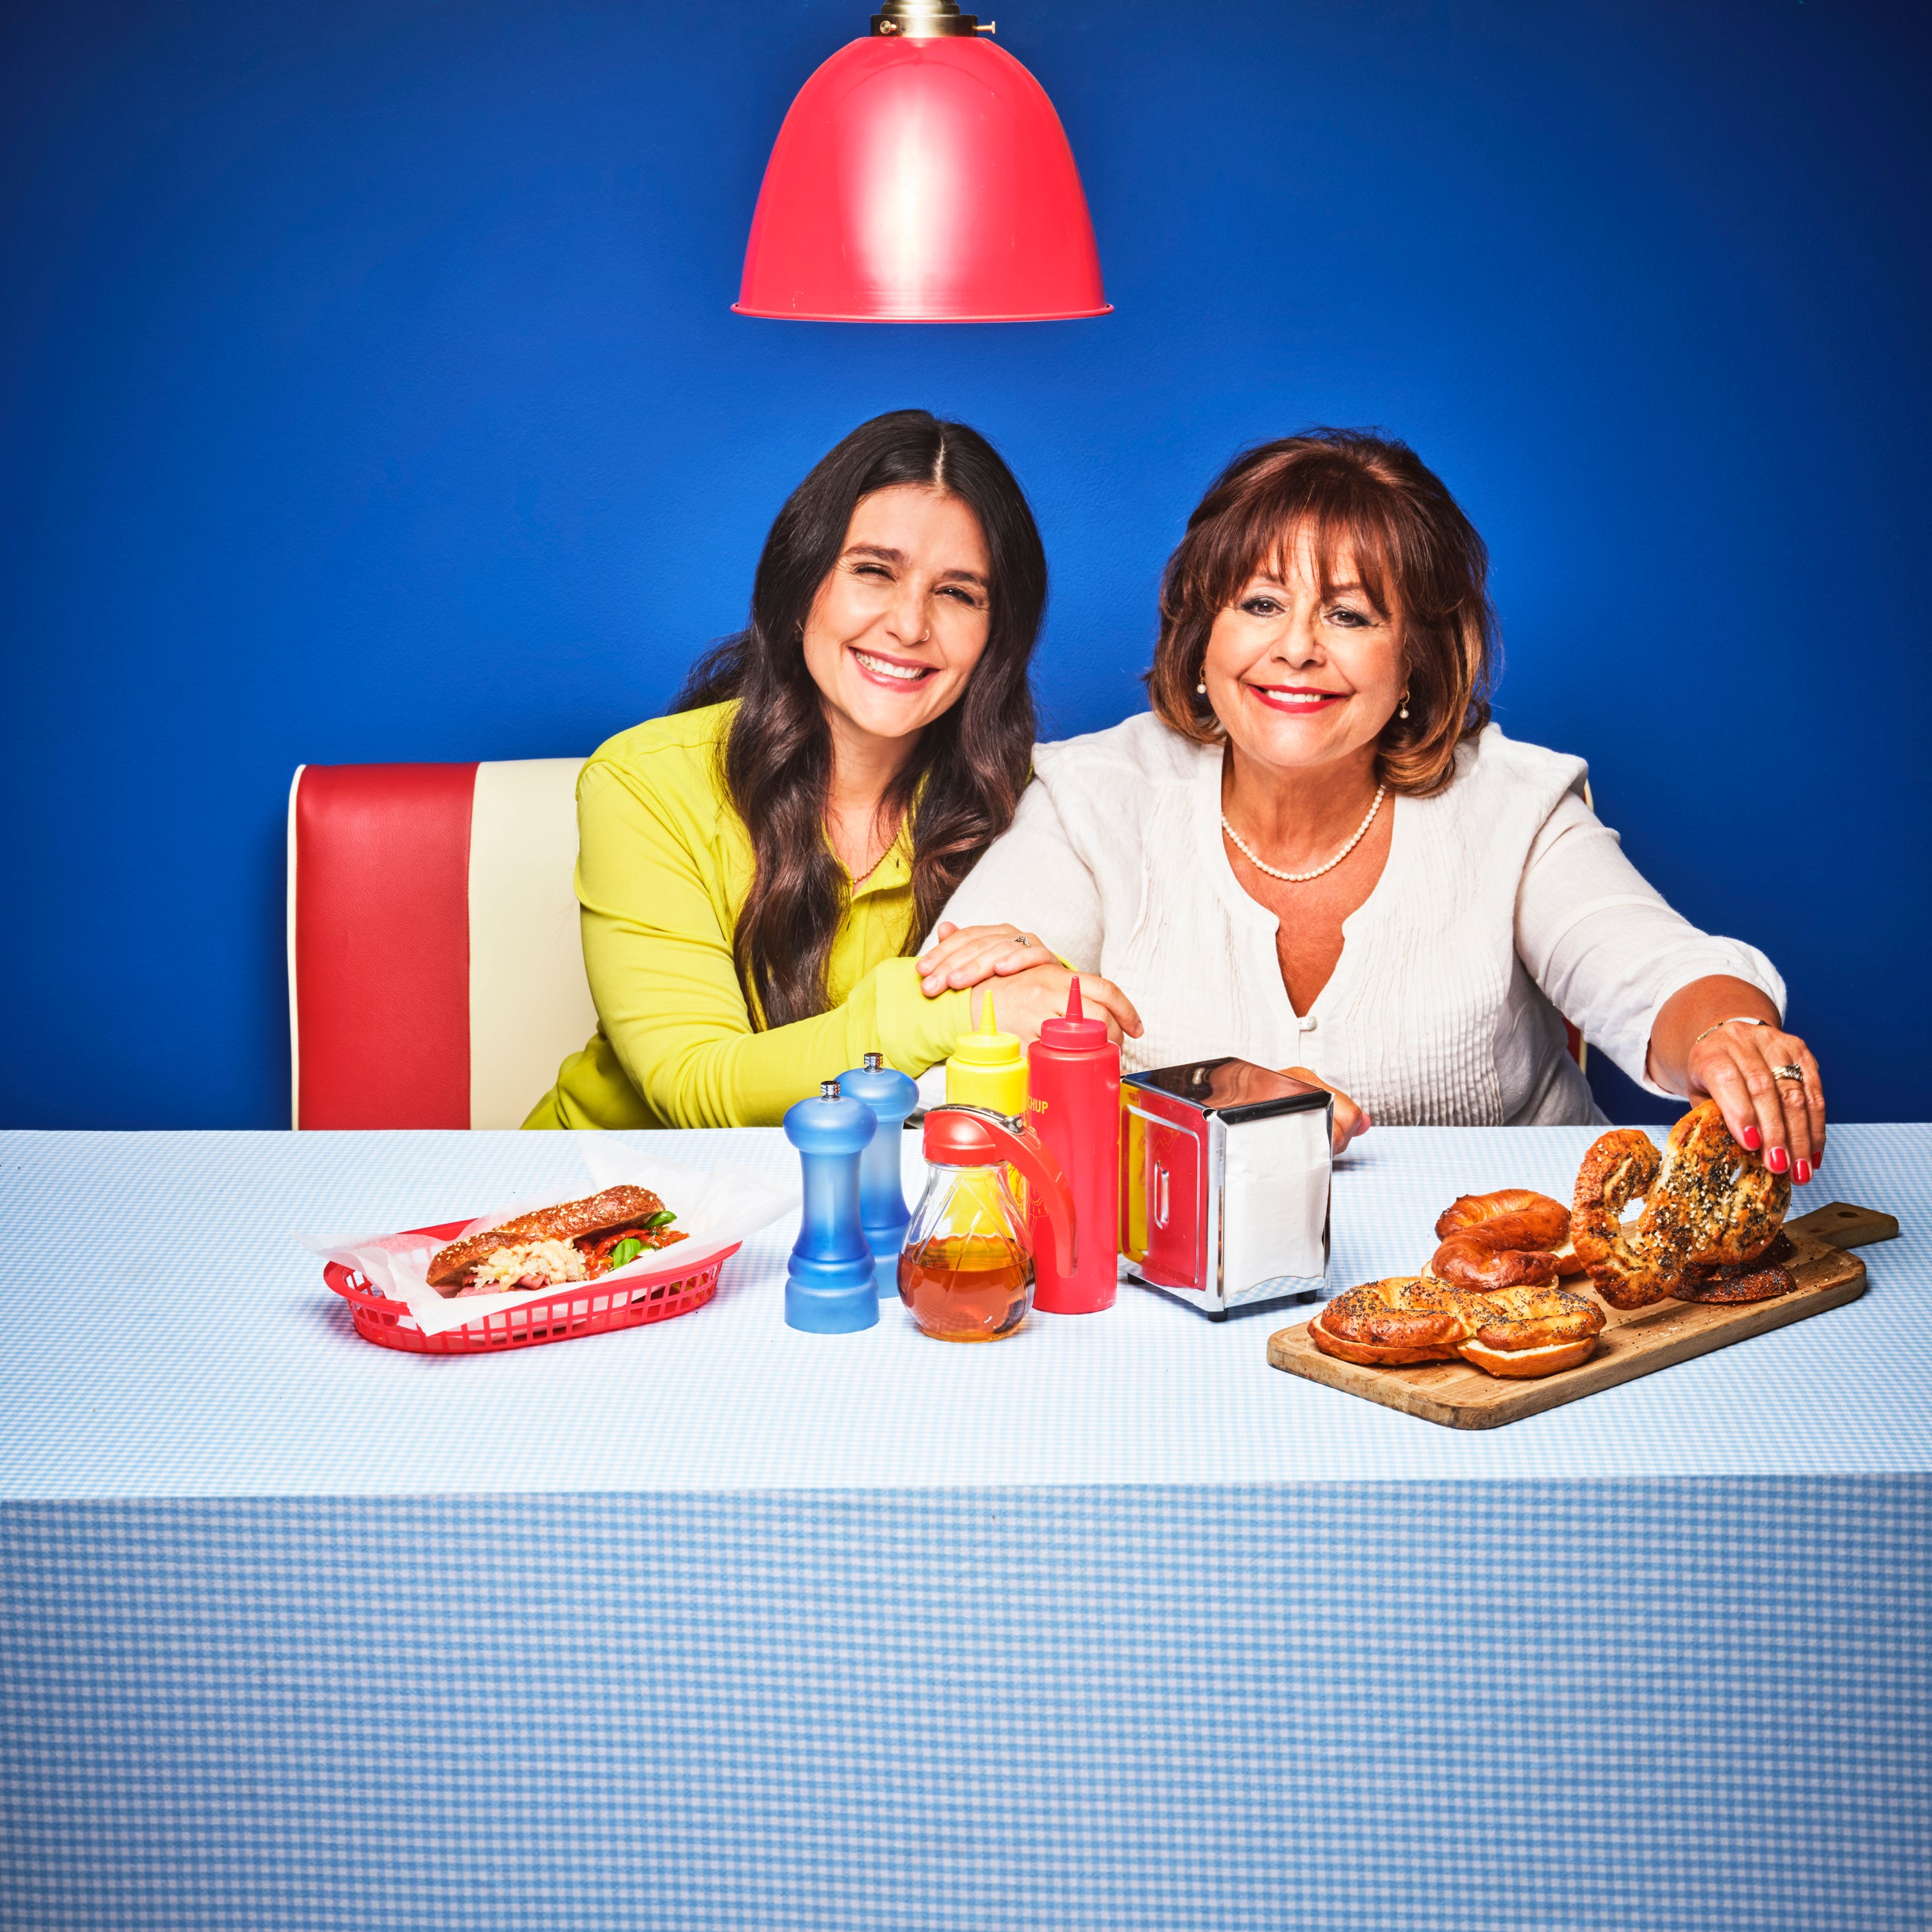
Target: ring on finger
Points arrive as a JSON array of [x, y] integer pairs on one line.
[[1025, 939], [1796, 1073]]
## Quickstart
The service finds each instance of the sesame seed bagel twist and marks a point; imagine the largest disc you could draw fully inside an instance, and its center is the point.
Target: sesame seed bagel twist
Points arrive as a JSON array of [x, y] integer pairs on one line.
[[1404, 1318], [1762, 1279], [1627, 1269], [1534, 1331], [1708, 1203], [1716, 1202]]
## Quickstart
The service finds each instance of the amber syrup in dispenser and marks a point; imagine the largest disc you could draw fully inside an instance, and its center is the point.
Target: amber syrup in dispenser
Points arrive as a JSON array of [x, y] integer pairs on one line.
[[969, 1287], [966, 1272], [1073, 1104]]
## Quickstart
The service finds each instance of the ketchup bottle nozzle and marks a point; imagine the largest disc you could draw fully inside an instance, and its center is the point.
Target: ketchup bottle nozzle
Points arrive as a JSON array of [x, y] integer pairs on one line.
[[1076, 1030]]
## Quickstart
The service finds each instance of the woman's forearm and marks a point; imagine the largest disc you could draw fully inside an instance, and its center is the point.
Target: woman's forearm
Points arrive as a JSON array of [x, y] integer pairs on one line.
[[1689, 1011], [700, 1069]]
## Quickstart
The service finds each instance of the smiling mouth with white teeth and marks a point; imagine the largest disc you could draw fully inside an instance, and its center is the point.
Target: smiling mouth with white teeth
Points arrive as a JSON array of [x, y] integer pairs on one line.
[[1295, 697], [892, 669]]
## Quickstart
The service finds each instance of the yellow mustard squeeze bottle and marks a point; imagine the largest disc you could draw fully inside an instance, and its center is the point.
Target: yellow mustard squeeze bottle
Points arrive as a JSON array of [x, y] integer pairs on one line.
[[988, 1068]]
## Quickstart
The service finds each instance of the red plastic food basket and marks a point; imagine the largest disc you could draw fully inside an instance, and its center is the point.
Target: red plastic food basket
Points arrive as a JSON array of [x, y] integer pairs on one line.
[[584, 1309]]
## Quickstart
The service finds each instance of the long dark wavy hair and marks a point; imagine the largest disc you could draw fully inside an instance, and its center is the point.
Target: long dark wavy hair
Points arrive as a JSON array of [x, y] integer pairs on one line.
[[964, 780]]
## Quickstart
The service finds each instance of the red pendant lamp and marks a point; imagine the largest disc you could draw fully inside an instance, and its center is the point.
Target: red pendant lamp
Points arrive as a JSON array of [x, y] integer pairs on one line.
[[921, 176]]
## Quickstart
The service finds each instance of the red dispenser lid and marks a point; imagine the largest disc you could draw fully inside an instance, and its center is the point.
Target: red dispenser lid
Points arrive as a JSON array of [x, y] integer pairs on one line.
[[973, 1137], [1076, 1030]]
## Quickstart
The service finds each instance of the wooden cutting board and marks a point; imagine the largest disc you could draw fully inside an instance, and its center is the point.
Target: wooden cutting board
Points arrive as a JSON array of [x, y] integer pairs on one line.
[[1634, 1342]]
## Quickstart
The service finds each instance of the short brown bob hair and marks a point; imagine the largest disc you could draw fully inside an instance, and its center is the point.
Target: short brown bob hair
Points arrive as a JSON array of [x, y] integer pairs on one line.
[[1415, 553]]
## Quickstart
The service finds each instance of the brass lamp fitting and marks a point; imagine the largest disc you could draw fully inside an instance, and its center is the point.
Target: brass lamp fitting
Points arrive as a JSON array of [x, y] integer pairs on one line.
[[926, 20]]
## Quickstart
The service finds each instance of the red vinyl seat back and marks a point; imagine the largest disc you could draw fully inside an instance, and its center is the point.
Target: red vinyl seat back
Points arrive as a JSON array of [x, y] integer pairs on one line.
[[379, 945]]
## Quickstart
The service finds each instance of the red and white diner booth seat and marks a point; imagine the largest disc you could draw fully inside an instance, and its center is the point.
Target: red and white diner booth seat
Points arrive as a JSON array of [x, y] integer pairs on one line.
[[436, 972]]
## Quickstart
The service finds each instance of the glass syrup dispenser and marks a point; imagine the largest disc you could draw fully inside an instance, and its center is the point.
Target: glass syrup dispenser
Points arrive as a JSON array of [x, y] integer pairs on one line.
[[966, 1272]]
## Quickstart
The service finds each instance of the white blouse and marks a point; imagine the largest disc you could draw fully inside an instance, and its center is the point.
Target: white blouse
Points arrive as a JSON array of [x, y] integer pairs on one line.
[[1504, 905]]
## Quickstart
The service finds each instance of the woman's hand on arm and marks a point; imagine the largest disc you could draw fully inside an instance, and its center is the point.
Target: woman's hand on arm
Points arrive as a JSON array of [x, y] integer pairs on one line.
[[1705, 1042], [964, 955], [1036, 872], [1025, 999]]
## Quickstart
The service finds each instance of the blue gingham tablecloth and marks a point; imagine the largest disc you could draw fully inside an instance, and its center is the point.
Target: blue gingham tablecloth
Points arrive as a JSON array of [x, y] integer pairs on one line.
[[167, 1337], [711, 1625]]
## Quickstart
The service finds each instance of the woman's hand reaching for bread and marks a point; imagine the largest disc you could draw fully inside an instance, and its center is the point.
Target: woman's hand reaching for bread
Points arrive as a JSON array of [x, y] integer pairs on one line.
[[964, 955], [1350, 1119], [1023, 999], [1722, 1038], [1768, 1084]]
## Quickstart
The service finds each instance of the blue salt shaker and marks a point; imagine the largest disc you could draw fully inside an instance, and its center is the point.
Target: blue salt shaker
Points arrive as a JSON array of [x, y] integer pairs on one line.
[[882, 1208], [830, 1286]]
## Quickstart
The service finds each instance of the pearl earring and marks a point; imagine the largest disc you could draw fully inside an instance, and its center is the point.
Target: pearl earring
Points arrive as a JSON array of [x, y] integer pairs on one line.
[[1403, 713], [1201, 689]]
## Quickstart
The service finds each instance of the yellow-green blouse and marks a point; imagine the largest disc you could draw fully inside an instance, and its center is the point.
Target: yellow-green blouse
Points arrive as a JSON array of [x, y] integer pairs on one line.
[[663, 864]]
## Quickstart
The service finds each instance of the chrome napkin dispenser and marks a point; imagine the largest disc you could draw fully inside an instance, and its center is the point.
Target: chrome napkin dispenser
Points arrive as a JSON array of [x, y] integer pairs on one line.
[[1224, 1184]]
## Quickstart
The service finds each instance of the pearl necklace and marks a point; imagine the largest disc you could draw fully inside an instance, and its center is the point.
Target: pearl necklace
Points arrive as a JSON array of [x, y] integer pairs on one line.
[[1300, 878]]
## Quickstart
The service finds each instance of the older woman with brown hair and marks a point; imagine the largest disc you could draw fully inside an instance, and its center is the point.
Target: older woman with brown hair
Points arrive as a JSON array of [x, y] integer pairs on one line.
[[1316, 848]]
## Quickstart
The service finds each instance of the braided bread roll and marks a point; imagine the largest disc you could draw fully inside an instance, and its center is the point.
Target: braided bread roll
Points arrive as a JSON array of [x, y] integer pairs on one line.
[[1517, 1332], [1506, 1239]]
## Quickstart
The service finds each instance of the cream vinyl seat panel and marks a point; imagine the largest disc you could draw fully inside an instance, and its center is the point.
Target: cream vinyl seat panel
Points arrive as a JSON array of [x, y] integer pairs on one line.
[[530, 1003]]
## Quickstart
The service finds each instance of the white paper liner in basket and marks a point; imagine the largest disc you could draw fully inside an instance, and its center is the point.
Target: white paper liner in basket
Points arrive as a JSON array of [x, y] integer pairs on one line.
[[716, 1207]]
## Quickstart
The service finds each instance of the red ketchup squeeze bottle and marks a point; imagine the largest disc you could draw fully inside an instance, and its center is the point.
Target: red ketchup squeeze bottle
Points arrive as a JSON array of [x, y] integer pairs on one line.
[[1073, 1104]]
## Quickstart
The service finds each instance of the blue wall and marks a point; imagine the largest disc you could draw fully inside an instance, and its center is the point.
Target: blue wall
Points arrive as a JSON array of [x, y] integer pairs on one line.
[[369, 391]]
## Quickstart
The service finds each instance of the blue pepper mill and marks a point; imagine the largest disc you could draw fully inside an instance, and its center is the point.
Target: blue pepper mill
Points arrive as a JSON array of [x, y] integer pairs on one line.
[[830, 1285], [882, 1208]]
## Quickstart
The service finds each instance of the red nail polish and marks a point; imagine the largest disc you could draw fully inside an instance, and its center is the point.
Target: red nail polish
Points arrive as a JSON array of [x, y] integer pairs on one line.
[[1753, 1139], [1804, 1173], [1778, 1160]]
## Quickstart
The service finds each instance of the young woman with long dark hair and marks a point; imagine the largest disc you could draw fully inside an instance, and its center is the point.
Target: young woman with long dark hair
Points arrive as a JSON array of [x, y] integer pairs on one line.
[[755, 868]]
